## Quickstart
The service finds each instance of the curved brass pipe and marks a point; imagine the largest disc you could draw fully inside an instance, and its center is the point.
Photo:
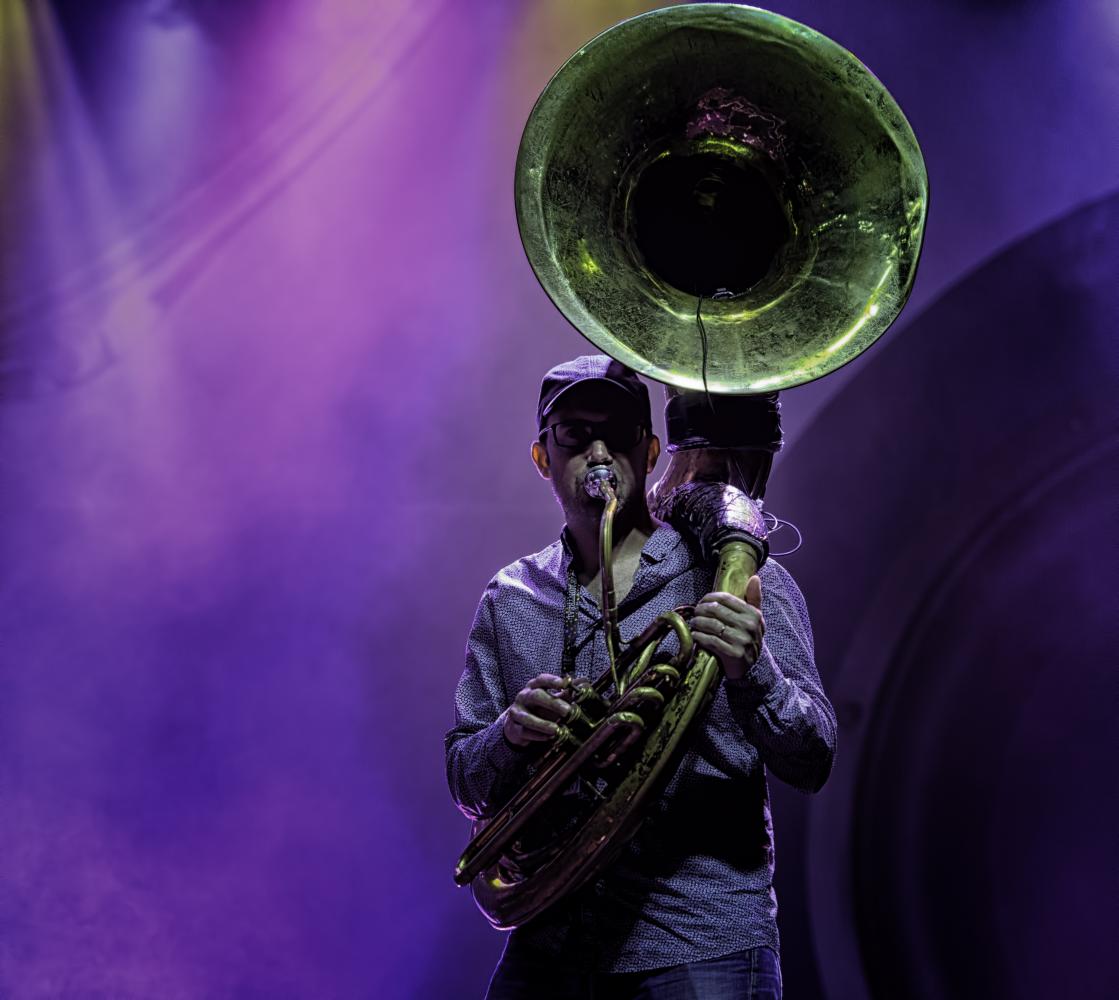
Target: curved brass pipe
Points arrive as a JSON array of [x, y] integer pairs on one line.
[[607, 600], [595, 741]]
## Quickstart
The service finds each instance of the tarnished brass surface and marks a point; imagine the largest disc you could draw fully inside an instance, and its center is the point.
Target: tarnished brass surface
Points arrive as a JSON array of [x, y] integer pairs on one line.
[[721, 116]]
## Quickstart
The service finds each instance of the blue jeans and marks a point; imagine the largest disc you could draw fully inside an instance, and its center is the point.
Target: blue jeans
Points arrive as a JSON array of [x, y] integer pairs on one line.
[[754, 974]]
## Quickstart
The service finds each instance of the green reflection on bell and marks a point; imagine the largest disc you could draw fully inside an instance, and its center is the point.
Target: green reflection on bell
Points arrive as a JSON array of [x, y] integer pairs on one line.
[[715, 148], [586, 261]]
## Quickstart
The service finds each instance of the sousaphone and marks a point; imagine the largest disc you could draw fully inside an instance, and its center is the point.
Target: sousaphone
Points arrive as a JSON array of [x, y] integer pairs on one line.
[[729, 203]]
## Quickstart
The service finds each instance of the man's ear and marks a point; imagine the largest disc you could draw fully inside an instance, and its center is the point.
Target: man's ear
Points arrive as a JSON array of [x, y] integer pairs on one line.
[[540, 460], [653, 454]]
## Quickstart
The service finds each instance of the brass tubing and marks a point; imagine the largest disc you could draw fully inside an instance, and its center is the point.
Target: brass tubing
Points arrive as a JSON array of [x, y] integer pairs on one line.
[[608, 601], [483, 851], [737, 563], [507, 905]]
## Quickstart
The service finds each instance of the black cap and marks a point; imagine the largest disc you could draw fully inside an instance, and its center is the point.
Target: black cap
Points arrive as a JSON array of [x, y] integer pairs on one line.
[[591, 368]]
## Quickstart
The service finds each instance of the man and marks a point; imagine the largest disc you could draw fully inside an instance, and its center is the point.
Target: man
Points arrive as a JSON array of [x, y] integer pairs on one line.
[[688, 907]]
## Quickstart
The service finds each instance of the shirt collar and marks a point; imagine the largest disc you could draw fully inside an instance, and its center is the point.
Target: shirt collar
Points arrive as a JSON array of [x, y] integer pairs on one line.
[[662, 542]]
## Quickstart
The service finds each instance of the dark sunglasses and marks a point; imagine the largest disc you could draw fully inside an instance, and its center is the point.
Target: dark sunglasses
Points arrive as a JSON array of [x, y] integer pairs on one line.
[[574, 435]]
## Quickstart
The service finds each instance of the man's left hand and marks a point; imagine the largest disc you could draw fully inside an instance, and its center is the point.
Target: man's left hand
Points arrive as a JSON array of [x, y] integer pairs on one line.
[[731, 628]]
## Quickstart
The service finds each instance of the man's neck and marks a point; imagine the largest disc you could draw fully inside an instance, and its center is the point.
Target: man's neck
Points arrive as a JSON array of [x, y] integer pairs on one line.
[[629, 538]]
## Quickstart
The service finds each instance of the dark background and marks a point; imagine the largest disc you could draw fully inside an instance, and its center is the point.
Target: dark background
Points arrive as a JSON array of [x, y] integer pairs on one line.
[[269, 352]]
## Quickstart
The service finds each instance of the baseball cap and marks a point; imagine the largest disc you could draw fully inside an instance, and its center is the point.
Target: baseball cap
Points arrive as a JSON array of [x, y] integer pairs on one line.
[[591, 367]]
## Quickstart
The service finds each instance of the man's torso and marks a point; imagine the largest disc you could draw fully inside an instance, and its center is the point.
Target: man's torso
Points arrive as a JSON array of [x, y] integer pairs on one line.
[[696, 881]]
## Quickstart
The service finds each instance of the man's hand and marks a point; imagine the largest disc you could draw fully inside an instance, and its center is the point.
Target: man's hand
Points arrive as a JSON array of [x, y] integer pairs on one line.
[[533, 716], [731, 628]]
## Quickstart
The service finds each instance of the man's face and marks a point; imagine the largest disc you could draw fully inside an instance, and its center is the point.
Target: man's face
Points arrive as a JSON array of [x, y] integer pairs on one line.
[[595, 425]]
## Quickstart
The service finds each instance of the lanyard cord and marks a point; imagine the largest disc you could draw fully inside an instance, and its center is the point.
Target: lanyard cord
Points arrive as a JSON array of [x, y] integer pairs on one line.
[[570, 622]]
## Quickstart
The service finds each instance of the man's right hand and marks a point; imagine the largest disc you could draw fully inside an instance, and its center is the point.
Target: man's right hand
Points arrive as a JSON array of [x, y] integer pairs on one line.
[[535, 713]]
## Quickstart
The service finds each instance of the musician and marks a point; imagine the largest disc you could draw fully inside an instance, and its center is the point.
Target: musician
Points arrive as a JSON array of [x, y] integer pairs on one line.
[[688, 907]]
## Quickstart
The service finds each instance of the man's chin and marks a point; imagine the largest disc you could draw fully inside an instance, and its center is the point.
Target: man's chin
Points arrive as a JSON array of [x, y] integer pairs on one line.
[[585, 505], [580, 502], [598, 504]]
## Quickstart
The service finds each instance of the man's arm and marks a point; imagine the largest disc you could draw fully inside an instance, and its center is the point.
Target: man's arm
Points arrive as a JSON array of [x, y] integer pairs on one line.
[[483, 768], [779, 701]]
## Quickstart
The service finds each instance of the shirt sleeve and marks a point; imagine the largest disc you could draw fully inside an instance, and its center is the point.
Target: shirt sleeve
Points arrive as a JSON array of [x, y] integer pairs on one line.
[[483, 768], [780, 703]]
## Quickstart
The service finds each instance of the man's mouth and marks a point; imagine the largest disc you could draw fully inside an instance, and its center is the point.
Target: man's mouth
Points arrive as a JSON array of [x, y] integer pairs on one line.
[[596, 478]]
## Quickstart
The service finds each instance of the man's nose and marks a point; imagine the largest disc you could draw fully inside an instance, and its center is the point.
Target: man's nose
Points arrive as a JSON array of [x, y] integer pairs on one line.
[[599, 454]]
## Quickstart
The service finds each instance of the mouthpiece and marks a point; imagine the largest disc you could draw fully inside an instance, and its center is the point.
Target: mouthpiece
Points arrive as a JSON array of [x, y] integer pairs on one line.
[[594, 480]]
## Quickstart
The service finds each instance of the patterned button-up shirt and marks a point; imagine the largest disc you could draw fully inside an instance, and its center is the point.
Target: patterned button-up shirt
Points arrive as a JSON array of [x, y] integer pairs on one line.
[[696, 881]]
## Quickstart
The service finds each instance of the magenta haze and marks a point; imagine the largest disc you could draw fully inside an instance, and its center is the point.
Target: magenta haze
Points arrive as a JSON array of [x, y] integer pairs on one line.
[[269, 358]]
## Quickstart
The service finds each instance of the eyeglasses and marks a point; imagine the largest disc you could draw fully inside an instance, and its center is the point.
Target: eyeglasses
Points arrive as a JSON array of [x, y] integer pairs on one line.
[[574, 435]]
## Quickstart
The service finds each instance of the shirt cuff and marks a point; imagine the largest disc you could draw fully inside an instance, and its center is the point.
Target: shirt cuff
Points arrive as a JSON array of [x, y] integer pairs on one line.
[[501, 754], [751, 689]]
